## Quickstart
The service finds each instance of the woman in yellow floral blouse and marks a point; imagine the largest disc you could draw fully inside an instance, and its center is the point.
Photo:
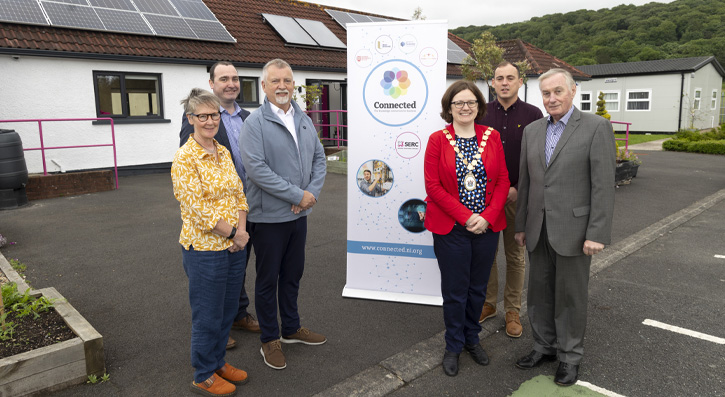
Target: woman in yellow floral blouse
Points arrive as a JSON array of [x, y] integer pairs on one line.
[[212, 205]]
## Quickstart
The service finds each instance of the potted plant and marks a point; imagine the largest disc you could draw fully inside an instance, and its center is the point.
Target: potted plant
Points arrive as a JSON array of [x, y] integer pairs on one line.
[[627, 165]]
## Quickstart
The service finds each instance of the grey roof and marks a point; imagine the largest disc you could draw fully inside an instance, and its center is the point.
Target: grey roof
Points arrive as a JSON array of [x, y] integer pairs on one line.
[[660, 66]]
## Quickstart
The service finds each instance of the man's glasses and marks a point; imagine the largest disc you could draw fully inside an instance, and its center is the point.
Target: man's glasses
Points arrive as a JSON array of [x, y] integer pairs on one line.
[[205, 117], [459, 104]]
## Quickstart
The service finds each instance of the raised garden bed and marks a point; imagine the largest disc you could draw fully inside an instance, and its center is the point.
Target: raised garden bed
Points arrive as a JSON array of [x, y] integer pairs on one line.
[[57, 366]]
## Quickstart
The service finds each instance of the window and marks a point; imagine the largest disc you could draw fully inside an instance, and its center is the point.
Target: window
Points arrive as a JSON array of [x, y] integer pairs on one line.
[[586, 102], [612, 100], [128, 95], [638, 100], [713, 102], [248, 93], [698, 98]]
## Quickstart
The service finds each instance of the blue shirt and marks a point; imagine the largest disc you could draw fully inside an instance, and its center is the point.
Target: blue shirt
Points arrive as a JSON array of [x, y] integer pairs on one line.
[[553, 133], [233, 123]]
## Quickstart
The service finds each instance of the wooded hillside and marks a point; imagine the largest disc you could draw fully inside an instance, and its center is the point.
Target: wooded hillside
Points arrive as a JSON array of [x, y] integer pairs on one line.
[[626, 33]]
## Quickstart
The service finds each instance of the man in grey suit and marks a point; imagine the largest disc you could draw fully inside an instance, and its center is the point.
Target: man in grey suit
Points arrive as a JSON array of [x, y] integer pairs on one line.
[[564, 216], [286, 168]]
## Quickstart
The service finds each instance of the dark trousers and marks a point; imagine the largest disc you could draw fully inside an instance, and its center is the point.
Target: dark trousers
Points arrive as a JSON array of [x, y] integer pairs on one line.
[[280, 251], [464, 259], [214, 282], [243, 298], [557, 300]]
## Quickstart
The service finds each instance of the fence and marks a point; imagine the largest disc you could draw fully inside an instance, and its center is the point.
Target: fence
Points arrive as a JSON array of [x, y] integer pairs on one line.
[[43, 148], [626, 135], [337, 132]]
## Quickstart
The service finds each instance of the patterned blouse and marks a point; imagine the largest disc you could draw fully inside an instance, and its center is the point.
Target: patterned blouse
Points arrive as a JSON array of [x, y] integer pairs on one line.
[[207, 191], [474, 200]]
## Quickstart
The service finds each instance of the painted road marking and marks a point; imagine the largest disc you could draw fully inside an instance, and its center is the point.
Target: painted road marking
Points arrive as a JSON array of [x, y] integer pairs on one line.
[[598, 389], [720, 256], [684, 331]]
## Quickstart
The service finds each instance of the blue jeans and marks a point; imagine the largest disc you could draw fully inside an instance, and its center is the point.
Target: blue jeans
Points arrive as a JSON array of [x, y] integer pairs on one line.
[[215, 281], [465, 261]]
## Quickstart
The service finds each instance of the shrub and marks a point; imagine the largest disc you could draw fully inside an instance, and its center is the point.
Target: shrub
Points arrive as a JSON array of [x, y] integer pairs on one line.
[[699, 146]]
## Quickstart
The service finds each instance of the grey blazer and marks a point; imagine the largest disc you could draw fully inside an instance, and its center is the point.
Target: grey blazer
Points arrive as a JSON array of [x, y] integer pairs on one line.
[[576, 190], [278, 173]]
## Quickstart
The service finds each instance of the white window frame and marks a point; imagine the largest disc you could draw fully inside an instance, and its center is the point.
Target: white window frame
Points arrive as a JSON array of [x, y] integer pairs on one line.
[[590, 101], [697, 99], [713, 100], [618, 101], [648, 100]]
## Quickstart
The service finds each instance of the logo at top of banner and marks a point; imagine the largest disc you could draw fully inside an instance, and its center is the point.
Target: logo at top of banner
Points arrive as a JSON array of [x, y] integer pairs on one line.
[[395, 82], [403, 96]]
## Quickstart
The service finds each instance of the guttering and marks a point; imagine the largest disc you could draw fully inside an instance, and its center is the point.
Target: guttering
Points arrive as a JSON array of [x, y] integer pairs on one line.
[[682, 87]]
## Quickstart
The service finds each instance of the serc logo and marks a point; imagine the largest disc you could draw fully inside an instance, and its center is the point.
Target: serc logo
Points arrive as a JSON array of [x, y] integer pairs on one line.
[[395, 83]]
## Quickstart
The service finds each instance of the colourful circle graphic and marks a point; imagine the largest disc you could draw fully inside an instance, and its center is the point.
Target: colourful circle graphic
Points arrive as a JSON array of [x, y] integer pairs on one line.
[[395, 82]]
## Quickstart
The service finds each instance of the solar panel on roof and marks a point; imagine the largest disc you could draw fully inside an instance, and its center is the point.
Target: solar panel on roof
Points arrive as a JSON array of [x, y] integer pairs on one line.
[[76, 2], [378, 19], [210, 30], [360, 17], [169, 26], [72, 16], [193, 9], [115, 4], [23, 11], [123, 21], [455, 53], [341, 17], [290, 30], [320, 33], [162, 7]]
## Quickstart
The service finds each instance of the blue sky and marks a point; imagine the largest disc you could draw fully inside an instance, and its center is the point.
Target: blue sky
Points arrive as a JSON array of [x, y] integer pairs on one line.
[[476, 12]]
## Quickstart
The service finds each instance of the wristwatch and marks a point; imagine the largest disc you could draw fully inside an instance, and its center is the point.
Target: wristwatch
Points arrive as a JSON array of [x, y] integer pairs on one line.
[[234, 233]]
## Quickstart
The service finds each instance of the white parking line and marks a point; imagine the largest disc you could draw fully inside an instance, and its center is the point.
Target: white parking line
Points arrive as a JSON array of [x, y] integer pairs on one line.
[[684, 331], [720, 256], [598, 389]]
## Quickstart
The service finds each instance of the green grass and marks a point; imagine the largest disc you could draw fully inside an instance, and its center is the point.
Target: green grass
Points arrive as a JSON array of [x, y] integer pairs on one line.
[[640, 138]]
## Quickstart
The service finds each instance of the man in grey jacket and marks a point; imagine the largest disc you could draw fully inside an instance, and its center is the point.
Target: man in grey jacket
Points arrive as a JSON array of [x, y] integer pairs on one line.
[[286, 167], [563, 217]]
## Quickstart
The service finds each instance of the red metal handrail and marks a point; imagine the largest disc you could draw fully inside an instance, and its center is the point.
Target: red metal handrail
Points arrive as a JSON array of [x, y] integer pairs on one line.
[[43, 148], [337, 124], [626, 138]]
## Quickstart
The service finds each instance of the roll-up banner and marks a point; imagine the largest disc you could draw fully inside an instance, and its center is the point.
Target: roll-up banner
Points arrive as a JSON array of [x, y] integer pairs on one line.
[[396, 78]]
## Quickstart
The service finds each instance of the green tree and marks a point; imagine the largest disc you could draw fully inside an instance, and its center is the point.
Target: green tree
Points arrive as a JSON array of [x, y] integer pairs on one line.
[[485, 56], [418, 14], [601, 107]]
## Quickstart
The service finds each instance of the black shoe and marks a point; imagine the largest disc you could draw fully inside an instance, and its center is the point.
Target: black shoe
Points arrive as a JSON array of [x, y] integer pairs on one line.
[[450, 363], [534, 359], [477, 353], [566, 374]]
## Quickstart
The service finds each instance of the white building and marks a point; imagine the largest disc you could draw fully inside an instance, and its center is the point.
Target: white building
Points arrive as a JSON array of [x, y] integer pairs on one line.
[[661, 96]]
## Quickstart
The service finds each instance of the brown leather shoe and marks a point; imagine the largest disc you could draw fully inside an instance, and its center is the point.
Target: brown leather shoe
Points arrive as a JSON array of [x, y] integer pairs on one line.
[[214, 386], [272, 354], [304, 335], [232, 375], [231, 343], [248, 323], [513, 325], [488, 311]]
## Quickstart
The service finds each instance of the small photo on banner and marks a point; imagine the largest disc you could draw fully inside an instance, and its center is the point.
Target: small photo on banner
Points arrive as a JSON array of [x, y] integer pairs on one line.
[[375, 178]]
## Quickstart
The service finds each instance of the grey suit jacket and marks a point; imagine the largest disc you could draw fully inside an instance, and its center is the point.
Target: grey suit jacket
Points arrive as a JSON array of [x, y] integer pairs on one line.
[[575, 192], [277, 172]]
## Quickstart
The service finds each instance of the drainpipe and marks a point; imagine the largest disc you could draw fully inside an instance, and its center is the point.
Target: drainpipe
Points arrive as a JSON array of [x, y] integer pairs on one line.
[[682, 87]]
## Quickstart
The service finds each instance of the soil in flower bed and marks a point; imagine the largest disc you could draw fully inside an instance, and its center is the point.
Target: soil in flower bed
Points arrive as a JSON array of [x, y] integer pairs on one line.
[[31, 333]]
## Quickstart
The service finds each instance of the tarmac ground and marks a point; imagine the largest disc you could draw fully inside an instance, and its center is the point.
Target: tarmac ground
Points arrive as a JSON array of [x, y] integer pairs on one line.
[[115, 257]]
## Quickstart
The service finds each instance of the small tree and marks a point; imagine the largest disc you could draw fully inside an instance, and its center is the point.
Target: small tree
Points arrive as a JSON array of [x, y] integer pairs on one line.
[[485, 57], [311, 95], [601, 108], [418, 14]]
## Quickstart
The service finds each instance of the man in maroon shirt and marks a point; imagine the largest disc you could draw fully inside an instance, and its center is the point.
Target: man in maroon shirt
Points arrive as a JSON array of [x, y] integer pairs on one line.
[[509, 115]]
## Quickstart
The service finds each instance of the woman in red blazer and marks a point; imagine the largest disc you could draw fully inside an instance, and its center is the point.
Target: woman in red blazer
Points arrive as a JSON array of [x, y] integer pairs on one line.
[[467, 183]]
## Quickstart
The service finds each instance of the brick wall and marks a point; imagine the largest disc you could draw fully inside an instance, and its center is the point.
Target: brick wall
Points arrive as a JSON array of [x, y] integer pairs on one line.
[[68, 184]]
